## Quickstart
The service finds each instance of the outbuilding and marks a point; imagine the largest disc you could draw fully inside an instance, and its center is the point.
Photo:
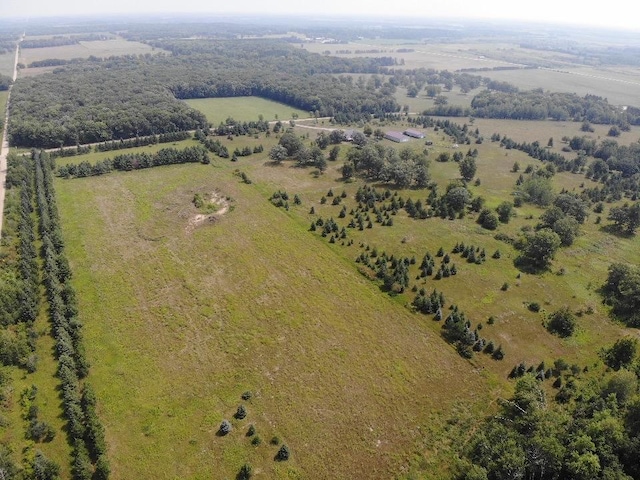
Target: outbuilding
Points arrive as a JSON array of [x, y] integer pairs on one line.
[[397, 137], [414, 133]]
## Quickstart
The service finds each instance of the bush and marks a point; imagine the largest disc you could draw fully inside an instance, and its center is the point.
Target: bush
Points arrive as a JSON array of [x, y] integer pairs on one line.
[[621, 354], [245, 472], [283, 454], [498, 354], [487, 219], [225, 427], [241, 412], [562, 323], [534, 306], [251, 431]]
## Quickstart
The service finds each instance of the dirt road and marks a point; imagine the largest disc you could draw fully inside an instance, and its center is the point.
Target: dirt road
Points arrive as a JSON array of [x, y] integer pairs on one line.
[[4, 147]]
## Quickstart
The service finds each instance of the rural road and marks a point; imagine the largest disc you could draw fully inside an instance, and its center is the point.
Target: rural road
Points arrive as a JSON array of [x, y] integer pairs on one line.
[[4, 147]]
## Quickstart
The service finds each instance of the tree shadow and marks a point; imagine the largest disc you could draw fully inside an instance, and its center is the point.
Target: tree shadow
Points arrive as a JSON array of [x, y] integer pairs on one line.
[[615, 231], [522, 264]]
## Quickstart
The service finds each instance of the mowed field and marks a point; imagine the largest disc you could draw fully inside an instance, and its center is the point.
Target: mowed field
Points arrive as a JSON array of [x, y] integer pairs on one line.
[[180, 321], [243, 108]]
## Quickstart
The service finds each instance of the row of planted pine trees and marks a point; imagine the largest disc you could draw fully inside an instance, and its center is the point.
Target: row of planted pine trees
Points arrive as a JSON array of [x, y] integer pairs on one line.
[[85, 432]]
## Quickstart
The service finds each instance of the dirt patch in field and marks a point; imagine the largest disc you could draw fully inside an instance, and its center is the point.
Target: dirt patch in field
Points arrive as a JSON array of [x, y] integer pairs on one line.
[[217, 199]]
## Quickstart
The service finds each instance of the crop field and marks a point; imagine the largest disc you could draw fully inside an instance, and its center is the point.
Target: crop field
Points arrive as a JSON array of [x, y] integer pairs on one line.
[[243, 108], [98, 48], [181, 318]]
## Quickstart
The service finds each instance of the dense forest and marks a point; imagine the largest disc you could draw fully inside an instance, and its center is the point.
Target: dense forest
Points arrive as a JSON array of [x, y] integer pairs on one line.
[[131, 96], [588, 429]]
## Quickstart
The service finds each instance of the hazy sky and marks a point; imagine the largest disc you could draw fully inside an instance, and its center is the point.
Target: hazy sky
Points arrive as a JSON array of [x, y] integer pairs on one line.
[[612, 13]]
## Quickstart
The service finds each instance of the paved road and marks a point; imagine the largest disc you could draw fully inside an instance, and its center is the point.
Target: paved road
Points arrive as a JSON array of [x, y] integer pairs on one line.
[[4, 147]]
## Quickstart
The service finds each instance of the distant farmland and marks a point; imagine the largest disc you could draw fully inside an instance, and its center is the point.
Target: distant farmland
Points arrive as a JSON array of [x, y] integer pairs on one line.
[[85, 49]]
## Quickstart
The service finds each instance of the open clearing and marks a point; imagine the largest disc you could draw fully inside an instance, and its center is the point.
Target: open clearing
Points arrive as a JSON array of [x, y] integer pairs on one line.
[[243, 108], [180, 321]]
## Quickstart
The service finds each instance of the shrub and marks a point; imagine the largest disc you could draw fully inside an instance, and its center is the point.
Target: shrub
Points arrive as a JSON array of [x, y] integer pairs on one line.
[[534, 306], [251, 431], [498, 354], [245, 472], [225, 427], [241, 412], [283, 454], [255, 441], [562, 322], [621, 354]]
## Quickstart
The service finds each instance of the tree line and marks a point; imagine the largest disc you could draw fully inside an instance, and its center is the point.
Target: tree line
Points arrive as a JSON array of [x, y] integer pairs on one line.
[[135, 161], [30, 189], [62, 40], [85, 432], [540, 105]]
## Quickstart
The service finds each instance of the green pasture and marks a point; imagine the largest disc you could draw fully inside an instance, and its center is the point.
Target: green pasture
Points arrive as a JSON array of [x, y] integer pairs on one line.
[[244, 108], [182, 318], [250, 302]]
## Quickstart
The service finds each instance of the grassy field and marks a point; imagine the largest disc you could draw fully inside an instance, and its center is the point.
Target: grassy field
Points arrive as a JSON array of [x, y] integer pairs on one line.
[[6, 63], [243, 108], [97, 48], [353, 382], [252, 302]]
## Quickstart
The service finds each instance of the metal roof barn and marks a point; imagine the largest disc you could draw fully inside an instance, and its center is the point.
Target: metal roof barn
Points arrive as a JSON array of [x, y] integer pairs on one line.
[[414, 133], [397, 137]]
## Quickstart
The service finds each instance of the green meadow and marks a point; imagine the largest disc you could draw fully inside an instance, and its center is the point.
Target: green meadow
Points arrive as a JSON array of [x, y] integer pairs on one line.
[[181, 317], [244, 108]]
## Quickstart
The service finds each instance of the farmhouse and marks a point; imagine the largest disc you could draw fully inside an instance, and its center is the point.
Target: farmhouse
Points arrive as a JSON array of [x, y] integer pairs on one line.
[[414, 133], [397, 137]]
